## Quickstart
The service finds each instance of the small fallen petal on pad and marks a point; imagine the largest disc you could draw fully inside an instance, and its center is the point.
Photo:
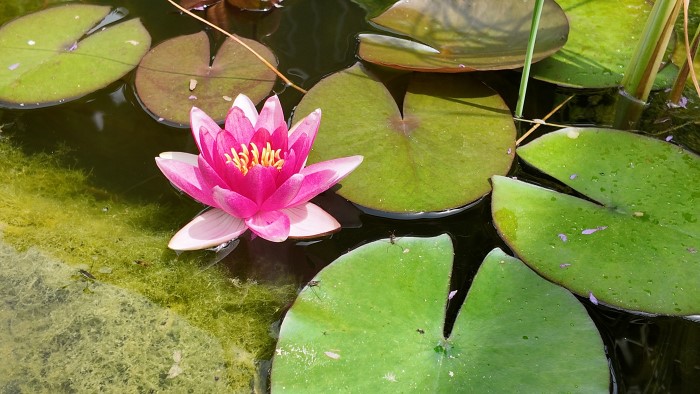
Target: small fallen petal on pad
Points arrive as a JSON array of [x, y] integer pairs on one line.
[[589, 231]]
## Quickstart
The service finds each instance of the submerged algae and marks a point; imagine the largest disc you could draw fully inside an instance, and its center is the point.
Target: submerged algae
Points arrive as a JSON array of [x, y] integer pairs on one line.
[[44, 205], [66, 334]]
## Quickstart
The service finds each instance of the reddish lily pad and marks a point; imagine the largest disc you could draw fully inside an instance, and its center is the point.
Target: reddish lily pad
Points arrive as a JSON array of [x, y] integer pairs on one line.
[[177, 75], [382, 331], [636, 246], [435, 154], [45, 60], [459, 36]]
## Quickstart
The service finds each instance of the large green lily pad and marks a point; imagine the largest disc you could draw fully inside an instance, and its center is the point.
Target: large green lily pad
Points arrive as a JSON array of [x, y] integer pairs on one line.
[[461, 35], [637, 247], [44, 58], [436, 153], [601, 41], [373, 322], [177, 75]]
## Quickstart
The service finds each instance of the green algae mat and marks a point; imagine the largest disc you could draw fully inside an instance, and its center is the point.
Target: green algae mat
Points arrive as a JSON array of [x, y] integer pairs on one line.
[[46, 207], [65, 333]]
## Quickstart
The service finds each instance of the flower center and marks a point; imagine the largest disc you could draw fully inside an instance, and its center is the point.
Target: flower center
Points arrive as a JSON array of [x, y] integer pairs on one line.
[[245, 158]]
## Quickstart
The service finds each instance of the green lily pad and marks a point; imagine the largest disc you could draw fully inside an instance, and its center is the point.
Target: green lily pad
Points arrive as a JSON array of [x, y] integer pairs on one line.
[[436, 153], [459, 36], [45, 60], [601, 41], [373, 322], [637, 247], [177, 75]]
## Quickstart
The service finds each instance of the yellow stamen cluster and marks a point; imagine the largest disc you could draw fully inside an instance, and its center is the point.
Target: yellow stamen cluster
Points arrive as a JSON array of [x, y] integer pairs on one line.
[[245, 158]]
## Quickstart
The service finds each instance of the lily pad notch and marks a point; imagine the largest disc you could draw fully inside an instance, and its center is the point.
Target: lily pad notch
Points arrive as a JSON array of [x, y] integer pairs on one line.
[[383, 331], [634, 245], [57, 63], [177, 75], [435, 154]]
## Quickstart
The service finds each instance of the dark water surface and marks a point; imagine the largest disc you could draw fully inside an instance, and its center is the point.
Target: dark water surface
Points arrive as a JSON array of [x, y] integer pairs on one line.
[[109, 136]]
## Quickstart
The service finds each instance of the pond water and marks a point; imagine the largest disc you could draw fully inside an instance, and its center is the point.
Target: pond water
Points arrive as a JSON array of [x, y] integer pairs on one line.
[[82, 188]]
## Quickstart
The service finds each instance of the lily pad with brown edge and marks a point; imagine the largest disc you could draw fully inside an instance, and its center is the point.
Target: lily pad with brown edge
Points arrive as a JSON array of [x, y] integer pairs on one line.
[[634, 245], [602, 39], [52, 56], [177, 75], [434, 154], [383, 331], [462, 35]]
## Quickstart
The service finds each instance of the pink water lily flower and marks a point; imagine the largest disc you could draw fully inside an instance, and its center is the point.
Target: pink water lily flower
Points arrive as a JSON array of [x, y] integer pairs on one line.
[[253, 173]]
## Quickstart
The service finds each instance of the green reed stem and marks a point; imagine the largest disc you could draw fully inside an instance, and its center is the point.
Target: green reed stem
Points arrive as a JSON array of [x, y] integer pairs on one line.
[[536, 14]]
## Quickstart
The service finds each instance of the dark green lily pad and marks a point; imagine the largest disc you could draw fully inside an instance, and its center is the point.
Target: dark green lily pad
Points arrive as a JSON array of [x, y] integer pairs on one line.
[[176, 75], [601, 41], [435, 154], [459, 36], [45, 60], [382, 331], [637, 247]]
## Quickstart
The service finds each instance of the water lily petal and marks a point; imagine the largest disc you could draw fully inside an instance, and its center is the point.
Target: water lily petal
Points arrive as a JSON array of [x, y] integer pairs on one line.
[[321, 176], [289, 167], [207, 230], [225, 142], [309, 220], [243, 102], [272, 225], [208, 176], [201, 123], [180, 156], [307, 126], [183, 175], [239, 126], [233, 203], [260, 138], [258, 183], [281, 197], [271, 116]]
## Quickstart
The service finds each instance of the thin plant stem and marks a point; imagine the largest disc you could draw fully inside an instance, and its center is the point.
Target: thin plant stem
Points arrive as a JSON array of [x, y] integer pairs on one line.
[[687, 68], [679, 84], [689, 56], [234, 38], [540, 122], [536, 14]]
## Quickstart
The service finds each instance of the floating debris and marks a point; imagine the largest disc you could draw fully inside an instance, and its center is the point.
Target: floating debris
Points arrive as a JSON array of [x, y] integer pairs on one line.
[[334, 356], [452, 294], [592, 298], [589, 231]]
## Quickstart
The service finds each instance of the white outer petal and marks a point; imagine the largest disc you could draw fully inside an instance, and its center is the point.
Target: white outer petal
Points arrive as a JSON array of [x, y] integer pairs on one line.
[[309, 220], [207, 230], [188, 158], [243, 102]]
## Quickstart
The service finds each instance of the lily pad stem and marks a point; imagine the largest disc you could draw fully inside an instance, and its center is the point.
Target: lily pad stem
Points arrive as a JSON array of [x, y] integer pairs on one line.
[[536, 14], [234, 38]]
